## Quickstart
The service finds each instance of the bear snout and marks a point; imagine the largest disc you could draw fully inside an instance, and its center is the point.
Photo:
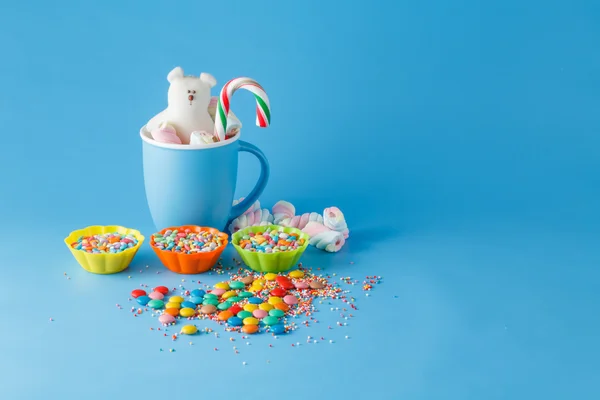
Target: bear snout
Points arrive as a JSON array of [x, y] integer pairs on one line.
[[190, 97]]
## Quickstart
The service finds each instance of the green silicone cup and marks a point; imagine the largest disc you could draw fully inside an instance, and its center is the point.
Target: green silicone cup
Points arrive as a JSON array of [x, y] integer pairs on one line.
[[270, 262]]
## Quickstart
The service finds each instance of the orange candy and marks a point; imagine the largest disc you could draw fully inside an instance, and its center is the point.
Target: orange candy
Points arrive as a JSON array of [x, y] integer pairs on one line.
[[250, 329], [224, 315], [282, 306], [172, 311]]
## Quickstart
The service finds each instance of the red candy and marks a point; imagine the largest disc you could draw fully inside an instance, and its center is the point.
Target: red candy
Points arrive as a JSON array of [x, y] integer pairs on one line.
[[137, 293], [284, 282], [279, 292], [162, 289], [235, 309]]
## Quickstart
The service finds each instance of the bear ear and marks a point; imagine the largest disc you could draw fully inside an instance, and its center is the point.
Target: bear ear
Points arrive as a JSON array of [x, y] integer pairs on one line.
[[208, 78], [176, 73]]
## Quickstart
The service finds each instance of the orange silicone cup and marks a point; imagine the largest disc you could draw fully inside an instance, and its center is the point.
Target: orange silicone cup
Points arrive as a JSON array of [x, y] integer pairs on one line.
[[190, 264]]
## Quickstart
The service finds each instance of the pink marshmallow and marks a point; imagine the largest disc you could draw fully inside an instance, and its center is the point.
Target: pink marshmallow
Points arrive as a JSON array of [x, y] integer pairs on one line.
[[165, 133]]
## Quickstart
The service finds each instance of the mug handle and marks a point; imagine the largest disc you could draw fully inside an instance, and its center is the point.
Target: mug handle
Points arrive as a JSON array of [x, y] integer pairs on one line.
[[265, 170]]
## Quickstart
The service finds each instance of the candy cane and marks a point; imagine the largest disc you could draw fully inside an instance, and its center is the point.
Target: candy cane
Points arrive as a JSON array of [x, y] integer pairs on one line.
[[263, 109]]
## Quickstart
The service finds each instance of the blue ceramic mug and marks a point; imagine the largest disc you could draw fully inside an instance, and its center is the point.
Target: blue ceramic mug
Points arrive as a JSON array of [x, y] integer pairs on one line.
[[195, 184]]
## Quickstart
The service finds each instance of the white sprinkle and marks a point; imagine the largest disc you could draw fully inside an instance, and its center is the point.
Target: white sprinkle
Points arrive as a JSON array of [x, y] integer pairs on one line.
[[347, 337], [331, 341], [244, 363]]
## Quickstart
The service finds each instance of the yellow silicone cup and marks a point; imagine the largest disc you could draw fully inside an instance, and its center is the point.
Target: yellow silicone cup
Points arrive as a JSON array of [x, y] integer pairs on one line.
[[270, 262], [104, 263]]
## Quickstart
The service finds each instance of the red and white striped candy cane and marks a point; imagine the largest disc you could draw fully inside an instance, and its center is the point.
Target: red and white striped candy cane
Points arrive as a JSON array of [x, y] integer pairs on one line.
[[263, 109]]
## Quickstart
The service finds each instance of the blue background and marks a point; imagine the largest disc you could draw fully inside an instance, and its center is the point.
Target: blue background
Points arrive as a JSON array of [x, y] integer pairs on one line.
[[460, 138]]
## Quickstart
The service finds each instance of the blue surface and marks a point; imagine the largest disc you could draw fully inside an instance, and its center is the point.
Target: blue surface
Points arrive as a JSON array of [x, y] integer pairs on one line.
[[460, 139]]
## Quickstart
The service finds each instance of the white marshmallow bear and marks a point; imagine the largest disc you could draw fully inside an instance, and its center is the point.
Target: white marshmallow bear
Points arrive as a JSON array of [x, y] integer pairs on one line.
[[188, 100]]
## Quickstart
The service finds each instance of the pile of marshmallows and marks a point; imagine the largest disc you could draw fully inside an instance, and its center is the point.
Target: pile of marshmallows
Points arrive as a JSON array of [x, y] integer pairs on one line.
[[328, 231], [193, 117]]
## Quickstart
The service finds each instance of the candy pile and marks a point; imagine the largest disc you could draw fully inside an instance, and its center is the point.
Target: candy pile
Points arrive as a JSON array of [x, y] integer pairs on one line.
[[270, 242], [247, 303], [327, 232], [186, 241], [113, 242]]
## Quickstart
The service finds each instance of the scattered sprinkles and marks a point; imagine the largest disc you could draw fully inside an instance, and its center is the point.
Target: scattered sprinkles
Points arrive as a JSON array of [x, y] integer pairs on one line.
[[247, 302]]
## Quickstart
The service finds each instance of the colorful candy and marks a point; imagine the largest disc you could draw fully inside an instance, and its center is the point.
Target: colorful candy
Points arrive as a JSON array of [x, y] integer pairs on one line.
[[284, 282], [189, 330], [270, 320], [187, 312], [162, 289], [156, 304], [270, 308], [137, 293], [186, 241], [166, 319], [156, 296], [143, 300], [113, 242], [172, 311], [270, 242], [176, 299], [208, 309], [250, 329]]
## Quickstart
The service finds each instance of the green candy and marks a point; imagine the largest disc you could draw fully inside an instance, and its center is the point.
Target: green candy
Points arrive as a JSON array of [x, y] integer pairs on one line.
[[246, 294], [224, 305], [210, 296], [244, 314], [212, 302], [234, 299], [155, 304], [270, 320], [276, 313], [236, 285]]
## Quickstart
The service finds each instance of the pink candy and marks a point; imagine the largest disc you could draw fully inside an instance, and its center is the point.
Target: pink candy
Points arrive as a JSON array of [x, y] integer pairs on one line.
[[166, 319], [156, 296]]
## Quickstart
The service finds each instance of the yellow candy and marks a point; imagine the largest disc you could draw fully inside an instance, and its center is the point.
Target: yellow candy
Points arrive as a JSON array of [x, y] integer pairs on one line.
[[265, 306], [260, 282], [250, 307], [250, 321], [274, 300], [189, 330], [222, 285], [173, 305], [296, 274], [187, 312], [270, 276], [229, 294], [255, 288], [176, 299], [259, 239]]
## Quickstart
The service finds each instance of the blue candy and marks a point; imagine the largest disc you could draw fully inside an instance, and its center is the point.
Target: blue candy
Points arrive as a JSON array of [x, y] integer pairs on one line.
[[196, 299], [277, 329], [189, 304], [255, 300], [198, 293], [143, 300], [235, 321]]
